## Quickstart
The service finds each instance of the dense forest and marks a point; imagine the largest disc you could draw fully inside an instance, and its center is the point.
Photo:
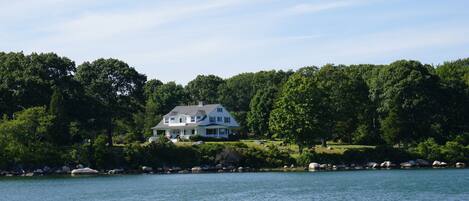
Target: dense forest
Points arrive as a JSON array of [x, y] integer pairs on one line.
[[55, 112]]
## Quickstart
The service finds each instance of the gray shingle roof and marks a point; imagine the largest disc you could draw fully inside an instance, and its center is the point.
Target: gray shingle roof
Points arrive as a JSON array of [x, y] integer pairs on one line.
[[193, 109]]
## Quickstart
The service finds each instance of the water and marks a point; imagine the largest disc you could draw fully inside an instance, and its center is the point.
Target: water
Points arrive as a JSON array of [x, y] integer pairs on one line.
[[441, 184]]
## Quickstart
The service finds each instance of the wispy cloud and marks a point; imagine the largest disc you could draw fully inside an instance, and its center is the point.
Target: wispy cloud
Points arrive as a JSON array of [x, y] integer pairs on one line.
[[303, 8]]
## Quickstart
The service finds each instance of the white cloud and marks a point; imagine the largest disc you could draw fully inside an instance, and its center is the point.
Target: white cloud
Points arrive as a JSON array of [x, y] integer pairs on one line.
[[320, 6]]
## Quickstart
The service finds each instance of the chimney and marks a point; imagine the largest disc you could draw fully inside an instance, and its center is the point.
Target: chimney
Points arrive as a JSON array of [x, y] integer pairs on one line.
[[201, 103]]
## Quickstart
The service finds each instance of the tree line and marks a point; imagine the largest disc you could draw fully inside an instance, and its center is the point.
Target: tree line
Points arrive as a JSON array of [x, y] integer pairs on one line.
[[49, 102]]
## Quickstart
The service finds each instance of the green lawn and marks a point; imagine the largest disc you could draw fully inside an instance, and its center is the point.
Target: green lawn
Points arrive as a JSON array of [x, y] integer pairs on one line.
[[333, 148]]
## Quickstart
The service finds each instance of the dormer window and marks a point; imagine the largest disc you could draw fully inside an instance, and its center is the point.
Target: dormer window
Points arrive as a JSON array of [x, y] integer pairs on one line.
[[166, 120], [192, 118], [219, 109], [212, 119], [219, 119], [227, 120]]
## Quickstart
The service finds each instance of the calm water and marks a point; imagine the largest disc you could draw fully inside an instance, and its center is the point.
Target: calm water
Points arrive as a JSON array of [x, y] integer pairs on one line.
[[448, 184]]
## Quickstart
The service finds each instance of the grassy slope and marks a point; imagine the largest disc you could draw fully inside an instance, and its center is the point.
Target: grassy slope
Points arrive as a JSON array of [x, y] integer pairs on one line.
[[291, 148]]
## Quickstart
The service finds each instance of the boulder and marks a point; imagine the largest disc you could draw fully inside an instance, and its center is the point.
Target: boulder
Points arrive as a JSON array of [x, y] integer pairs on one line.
[[460, 165], [387, 164], [443, 164], [116, 171], [29, 174], [65, 169], [198, 143], [422, 163], [46, 169], [152, 139], [196, 169], [323, 166], [84, 171], [218, 166], [240, 169], [292, 166], [38, 171], [436, 163], [147, 169], [371, 165], [314, 166], [285, 167], [80, 166], [406, 165], [358, 167]]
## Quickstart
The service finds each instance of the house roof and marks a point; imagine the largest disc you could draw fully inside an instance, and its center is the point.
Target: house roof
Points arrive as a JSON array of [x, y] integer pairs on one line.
[[198, 110], [191, 110]]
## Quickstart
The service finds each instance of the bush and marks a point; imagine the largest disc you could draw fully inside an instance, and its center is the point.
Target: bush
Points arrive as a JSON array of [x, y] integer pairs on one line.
[[357, 156], [452, 151], [429, 150], [213, 139], [208, 152]]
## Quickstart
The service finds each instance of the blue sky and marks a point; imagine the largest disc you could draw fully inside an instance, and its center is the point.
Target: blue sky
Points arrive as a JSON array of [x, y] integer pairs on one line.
[[177, 40]]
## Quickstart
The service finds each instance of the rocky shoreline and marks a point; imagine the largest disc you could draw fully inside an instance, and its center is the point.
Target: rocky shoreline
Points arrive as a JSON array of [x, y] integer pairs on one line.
[[80, 170]]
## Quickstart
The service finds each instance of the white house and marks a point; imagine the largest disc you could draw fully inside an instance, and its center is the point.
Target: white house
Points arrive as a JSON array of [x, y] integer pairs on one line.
[[211, 120]]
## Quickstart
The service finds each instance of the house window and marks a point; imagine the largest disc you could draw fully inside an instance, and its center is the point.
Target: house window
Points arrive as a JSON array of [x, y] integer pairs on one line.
[[193, 131], [192, 118], [211, 131], [212, 119], [221, 131], [180, 120], [198, 117], [227, 120], [219, 109], [219, 119], [166, 120], [172, 118]]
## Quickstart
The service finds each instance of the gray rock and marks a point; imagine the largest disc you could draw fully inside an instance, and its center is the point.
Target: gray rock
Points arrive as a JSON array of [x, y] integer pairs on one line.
[[314, 166], [38, 171], [219, 166], [152, 139], [84, 171], [147, 169], [460, 165], [198, 143], [29, 174], [196, 169], [406, 165], [66, 169], [387, 164], [116, 171], [422, 163]]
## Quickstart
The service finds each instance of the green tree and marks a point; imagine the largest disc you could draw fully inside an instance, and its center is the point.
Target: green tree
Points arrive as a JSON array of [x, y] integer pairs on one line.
[[161, 101], [28, 80], [301, 115], [27, 139], [204, 88], [116, 87], [261, 105], [408, 101], [57, 108], [454, 97]]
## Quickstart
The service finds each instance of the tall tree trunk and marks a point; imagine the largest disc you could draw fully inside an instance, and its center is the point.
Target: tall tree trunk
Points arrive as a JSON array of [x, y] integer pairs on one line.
[[109, 133], [323, 142]]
